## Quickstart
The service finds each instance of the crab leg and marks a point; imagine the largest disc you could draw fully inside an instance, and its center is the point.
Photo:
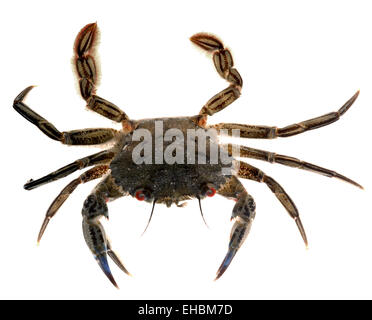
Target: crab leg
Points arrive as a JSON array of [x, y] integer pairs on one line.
[[74, 137], [265, 132], [243, 214], [224, 64], [94, 208], [94, 173], [247, 171], [97, 158], [87, 74], [286, 161]]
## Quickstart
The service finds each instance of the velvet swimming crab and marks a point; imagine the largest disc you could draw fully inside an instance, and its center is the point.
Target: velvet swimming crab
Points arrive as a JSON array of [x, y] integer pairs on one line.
[[134, 163]]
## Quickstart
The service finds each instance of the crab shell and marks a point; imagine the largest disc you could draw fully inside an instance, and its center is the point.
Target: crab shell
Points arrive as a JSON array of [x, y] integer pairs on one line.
[[171, 182]]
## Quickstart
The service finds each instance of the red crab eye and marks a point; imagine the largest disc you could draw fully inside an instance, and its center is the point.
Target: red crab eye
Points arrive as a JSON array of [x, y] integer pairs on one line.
[[140, 195], [143, 194], [208, 190], [211, 192]]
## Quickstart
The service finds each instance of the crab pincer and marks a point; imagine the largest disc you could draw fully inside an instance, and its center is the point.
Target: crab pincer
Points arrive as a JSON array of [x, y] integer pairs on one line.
[[243, 214], [94, 234], [95, 238]]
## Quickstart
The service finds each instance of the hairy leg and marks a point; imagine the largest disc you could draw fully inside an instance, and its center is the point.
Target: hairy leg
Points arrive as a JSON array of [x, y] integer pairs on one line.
[[285, 160], [87, 74], [94, 173], [247, 171], [266, 132], [75, 137], [224, 64], [94, 159]]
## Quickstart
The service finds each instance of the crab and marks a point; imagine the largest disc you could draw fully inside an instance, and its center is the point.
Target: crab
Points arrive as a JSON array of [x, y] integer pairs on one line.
[[152, 180]]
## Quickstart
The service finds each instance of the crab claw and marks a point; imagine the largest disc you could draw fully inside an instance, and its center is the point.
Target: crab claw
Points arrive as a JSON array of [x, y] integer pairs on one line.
[[239, 233], [95, 238], [94, 209], [116, 259], [226, 262], [243, 215], [103, 263]]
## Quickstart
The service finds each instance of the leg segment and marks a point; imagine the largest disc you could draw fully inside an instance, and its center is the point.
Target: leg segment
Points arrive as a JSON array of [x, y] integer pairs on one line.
[[87, 74], [224, 63], [247, 171], [74, 137], [94, 159], [94, 208], [243, 214], [265, 132], [287, 161], [94, 173]]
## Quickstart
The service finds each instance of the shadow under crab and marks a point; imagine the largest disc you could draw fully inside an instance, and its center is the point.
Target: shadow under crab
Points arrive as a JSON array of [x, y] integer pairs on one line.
[[169, 182]]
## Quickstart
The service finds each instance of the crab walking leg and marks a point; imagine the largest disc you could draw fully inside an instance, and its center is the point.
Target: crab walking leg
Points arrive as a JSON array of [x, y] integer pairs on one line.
[[87, 74], [286, 161], [247, 171], [94, 159], [94, 208], [243, 214], [266, 132], [94, 173], [75, 137], [224, 64]]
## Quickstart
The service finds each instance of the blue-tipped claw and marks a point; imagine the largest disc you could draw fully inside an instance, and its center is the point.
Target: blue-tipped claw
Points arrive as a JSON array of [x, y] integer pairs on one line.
[[103, 263], [226, 262]]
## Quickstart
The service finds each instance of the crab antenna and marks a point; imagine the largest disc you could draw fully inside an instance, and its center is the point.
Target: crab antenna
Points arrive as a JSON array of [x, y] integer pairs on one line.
[[201, 211], [152, 211]]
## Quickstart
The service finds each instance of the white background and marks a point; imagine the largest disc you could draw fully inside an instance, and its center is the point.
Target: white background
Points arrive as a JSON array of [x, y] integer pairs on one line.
[[298, 60]]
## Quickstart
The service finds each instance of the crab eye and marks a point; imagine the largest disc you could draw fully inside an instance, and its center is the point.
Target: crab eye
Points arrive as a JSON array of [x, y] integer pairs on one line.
[[211, 192], [142, 194], [208, 190]]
